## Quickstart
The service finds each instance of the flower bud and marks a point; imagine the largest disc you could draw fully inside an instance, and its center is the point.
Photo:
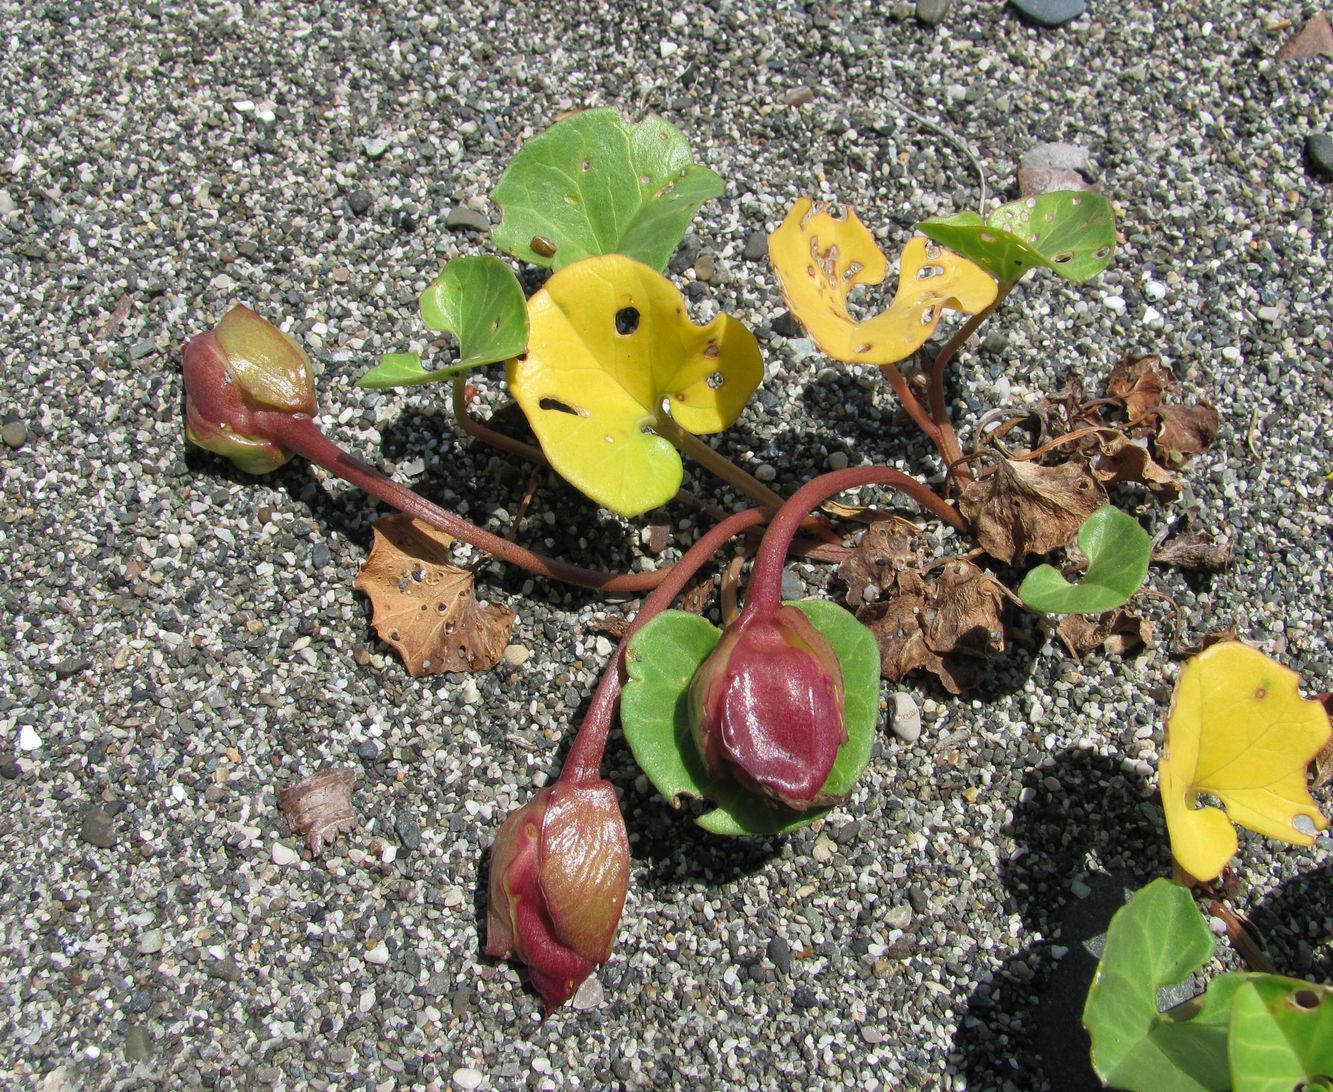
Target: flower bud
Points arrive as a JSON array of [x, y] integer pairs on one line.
[[244, 364], [766, 707], [559, 874]]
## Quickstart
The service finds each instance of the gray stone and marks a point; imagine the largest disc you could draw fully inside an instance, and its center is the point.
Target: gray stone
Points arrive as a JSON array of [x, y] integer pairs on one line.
[[98, 828], [932, 12], [138, 1046], [779, 954], [15, 434], [359, 202], [1049, 13], [1319, 148], [756, 246], [462, 218]]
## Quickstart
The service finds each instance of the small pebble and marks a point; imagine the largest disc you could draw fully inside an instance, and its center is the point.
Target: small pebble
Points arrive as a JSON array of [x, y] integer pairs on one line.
[[378, 955], [589, 995], [98, 828], [284, 855], [1319, 148], [1050, 13], [29, 740], [151, 942], [465, 1080], [906, 718], [359, 202], [705, 266], [779, 954], [516, 654], [756, 247], [14, 434], [462, 218], [799, 96]]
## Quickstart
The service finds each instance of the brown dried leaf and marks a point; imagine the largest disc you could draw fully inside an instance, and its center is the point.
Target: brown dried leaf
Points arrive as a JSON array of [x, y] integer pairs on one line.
[[1182, 431], [611, 625], [1122, 460], [424, 606], [1023, 510], [1185, 431], [1217, 637], [320, 807], [1136, 381], [1314, 38], [1117, 632], [902, 644], [1196, 550], [881, 560], [963, 624], [696, 596]]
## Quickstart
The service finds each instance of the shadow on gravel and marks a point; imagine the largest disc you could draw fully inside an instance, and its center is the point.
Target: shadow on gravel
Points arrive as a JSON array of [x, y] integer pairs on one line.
[[1295, 925], [1023, 1027]]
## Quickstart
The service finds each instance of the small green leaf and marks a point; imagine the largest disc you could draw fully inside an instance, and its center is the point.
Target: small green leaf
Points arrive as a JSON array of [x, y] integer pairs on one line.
[[1117, 549], [1157, 940], [1070, 231], [662, 659], [1281, 1034], [479, 301], [592, 184]]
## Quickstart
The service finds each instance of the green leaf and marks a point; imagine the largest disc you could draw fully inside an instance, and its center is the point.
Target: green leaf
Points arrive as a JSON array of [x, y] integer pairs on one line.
[[662, 659], [1155, 941], [1117, 549], [480, 302], [592, 184], [1281, 1034], [1070, 231]]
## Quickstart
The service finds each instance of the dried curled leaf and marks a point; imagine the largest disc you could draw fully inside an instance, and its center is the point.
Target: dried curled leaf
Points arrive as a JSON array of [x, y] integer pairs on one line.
[[1182, 431], [1123, 460], [883, 560], [1023, 510], [1196, 550], [1238, 729], [320, 807], [424, 606], [1118, 632], [820, 259]]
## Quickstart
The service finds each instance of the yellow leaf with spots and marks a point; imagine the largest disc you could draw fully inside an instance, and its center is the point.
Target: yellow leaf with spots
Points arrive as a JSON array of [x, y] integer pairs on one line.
[[1239, 730], [610, 344], [820, 258]]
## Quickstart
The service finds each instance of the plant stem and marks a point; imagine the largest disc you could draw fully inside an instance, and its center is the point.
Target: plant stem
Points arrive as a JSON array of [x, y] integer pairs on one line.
[[583, 764], [717, 463], [915, 410], [766, 576], [486, 434], [300, 434]]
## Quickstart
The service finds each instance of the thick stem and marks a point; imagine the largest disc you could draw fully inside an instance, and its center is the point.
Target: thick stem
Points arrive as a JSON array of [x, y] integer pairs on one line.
[[583, 764], [300, 434], [488, 435], [915, 410], [766, 577], [716, 463]]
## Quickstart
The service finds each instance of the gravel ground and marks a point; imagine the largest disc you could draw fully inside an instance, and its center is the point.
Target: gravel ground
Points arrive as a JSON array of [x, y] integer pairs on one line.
[[181, 641]]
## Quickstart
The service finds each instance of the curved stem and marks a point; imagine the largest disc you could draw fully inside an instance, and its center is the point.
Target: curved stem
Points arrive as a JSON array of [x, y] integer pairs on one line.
[[766, 577], [488, 435], [717, 463], [915, 410], [300, 434], [583, 764]]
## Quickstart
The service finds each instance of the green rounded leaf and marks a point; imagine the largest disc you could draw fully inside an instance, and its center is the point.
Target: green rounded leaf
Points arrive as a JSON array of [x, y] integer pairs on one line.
[[478, 300], [1117, 549], [1070, 231], [662, 659], [592, 184], [1158, 940], [1281, 1034]]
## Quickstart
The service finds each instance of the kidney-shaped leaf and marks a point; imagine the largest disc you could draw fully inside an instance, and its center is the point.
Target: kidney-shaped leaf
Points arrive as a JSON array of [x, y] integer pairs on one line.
[[479, 301], [1117, 549], [610, 342], [1070, 231], [1157, 940], [592, 184], [1281, 1034], [1239, 730], [662, 659], [820, 258]]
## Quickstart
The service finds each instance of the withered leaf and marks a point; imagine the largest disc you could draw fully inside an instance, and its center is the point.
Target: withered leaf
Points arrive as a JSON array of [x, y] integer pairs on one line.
[[1196, 550], [1023, 510], [881, 560], [1314, 38], [1182, 431], [1136, 381], [1117, 632], [896, 625], [1185, 431], [1122, 460], [320, 807], [424, 606]]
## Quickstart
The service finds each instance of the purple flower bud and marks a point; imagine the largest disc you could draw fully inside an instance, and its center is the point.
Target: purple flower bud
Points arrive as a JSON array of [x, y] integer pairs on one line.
[[766, 707], [559, 874], [242, 365]]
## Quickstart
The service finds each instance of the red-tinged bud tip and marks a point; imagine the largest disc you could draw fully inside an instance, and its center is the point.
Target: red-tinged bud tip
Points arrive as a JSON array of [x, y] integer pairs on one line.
[[244, 364], [558, 878], [766, 707]]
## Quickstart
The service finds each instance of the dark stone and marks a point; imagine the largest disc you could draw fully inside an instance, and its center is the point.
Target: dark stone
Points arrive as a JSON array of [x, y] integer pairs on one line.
[[787, 326], [98, 828], [367, 750], [1049, 13], [756, 246], [1319, 149], [14, 433], [71, 666], [320, 556], [224, 968], [779, 954], [9, 770], [247, 248], [918, 899], [804, 998], [138, 1046], [409, 834], [462, 218], [359, 202]]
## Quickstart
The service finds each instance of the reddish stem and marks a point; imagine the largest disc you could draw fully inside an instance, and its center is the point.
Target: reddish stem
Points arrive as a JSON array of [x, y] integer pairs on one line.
[[766, 577], [915, 410], [300, 434], [583, 764]]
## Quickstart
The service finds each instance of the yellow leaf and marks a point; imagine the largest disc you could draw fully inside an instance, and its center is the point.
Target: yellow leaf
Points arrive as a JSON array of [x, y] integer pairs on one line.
[[1239, 730], [820, 258], [611, 342]]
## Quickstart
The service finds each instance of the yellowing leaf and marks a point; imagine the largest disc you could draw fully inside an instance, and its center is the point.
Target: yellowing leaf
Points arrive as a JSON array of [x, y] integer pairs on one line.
[[424, 606], [820, 258], [1239, 730], [610, 342]]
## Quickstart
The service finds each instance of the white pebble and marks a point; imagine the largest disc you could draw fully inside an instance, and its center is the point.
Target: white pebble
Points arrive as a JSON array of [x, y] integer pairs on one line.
[[378, 955], [906, 718], [29, 740], [1154, 290], [284, 855], [367, 1001], [765, 473], [604, 647], [1114, 303], [465, 1079], [668, 48]]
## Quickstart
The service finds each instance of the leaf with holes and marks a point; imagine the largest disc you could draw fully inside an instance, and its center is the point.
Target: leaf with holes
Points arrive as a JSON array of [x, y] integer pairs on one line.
[[1117, 549], [1158, 940], [1070, 231], [480, 302], [1238, 729], [593, 184], [1281, 1035], [610, 343], [820, 259], [662, 659], [424, 606]]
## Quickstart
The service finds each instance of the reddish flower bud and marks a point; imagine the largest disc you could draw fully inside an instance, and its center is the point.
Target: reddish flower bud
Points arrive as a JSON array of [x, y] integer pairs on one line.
[[244, 364], [766, 707], [559, 874]]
